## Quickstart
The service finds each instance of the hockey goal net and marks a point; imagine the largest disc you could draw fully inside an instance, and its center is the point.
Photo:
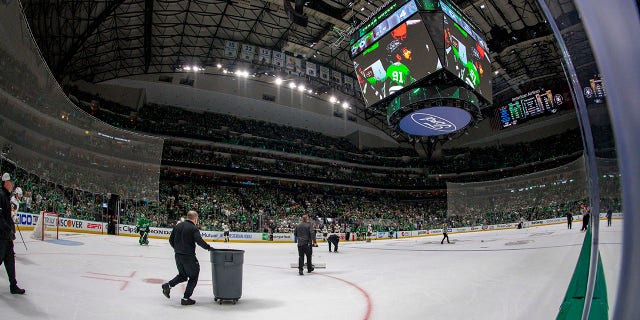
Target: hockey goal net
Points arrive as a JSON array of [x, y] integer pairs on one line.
[[46, 226]]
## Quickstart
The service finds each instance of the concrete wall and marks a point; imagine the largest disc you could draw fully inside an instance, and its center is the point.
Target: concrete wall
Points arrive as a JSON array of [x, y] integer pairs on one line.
[[126, 96]]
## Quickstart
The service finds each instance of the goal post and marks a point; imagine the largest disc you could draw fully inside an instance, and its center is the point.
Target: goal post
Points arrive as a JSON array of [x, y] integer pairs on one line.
[[46, 226]]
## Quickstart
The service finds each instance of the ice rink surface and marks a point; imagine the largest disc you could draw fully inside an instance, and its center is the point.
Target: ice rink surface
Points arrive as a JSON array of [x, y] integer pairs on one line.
[[511, 274]]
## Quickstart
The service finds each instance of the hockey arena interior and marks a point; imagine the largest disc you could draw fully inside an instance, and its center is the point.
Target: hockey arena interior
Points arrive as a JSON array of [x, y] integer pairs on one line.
[[458, 159]]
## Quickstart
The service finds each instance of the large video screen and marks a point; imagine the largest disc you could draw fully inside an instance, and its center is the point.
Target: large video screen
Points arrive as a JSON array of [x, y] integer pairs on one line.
[[401, 57], [466, 55], [383, 27]]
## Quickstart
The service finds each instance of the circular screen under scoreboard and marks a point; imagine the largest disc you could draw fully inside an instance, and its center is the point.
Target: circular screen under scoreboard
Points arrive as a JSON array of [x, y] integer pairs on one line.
[[435, 121]]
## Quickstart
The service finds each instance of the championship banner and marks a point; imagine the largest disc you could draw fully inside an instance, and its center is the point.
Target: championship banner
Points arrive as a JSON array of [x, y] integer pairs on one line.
[[337, 77], [291, 62], [264, 56], [248, 52], [298, 63], [278, 59], [348, 82], [230, 49], [311, 69], [324, 73]]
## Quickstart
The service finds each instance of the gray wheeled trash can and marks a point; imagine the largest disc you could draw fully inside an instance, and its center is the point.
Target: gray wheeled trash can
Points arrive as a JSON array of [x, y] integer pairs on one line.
[[226, 272]]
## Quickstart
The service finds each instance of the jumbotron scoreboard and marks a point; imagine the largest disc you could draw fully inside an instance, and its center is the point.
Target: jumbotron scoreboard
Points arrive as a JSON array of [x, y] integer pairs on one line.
[[529, 105], [413, 45]]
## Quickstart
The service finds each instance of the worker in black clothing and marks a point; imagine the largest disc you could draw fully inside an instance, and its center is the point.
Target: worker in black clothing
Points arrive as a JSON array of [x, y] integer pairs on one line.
[[609, 215], [569, 219], [305, 235], [333, 239], [183, 239], [8, 234], [586, 214]]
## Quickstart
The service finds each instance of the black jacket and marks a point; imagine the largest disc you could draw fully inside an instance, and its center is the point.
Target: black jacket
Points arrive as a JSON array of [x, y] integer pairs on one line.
[[304, 233], [184, 237], [7, 227]]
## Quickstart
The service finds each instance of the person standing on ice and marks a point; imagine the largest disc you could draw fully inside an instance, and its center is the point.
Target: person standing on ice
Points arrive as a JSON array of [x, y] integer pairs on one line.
[[183, 239], [225, 232], [8, 234], [445, 233], [586, 214], [305, 235]]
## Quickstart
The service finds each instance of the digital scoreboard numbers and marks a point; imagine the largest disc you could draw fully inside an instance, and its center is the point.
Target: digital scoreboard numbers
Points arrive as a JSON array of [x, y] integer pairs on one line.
[[598, 88], [596, 91], [527, 106]]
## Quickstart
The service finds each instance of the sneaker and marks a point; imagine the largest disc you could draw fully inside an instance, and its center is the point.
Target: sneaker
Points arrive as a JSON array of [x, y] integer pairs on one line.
[[187, 302], [300, 272], [166, 289], [311, 270], [16, 290]]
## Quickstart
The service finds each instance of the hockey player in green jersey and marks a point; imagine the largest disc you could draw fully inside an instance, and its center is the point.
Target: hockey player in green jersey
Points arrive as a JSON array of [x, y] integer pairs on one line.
[[399, 76], [144, 226]]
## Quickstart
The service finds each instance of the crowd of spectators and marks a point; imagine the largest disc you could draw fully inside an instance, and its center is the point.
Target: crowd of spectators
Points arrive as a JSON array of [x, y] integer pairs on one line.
[[276, 206], [226, 129]]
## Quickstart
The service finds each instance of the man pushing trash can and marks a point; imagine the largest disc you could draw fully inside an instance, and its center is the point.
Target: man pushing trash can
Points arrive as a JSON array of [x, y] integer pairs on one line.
[[183, 239]]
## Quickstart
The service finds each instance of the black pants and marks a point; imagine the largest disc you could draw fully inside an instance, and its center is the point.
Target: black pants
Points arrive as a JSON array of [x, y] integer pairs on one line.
[[304, 250], [608, 221], [445, 236], [143, 236], [569, 223], [585, 223], [188, 269], [334, 241], [9, 259]]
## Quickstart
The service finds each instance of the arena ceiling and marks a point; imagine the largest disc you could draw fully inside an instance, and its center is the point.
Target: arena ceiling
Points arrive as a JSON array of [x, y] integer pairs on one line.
[[101, 40]]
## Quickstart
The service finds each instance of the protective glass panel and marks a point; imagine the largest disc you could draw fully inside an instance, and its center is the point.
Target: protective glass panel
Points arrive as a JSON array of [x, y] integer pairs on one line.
[[44, 133]]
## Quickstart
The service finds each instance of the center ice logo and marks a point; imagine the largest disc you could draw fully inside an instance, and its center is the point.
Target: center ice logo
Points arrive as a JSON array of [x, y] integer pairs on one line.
[[433, 122]]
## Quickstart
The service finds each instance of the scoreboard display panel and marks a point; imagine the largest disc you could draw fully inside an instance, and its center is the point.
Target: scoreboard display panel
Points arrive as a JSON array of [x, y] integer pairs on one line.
[[399, 58], [527, 106], [596, 92]]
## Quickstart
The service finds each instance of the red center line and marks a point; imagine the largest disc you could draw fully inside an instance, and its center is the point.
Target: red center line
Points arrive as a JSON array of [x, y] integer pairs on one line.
[[364, 292], [125, 283], [114, 275]]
